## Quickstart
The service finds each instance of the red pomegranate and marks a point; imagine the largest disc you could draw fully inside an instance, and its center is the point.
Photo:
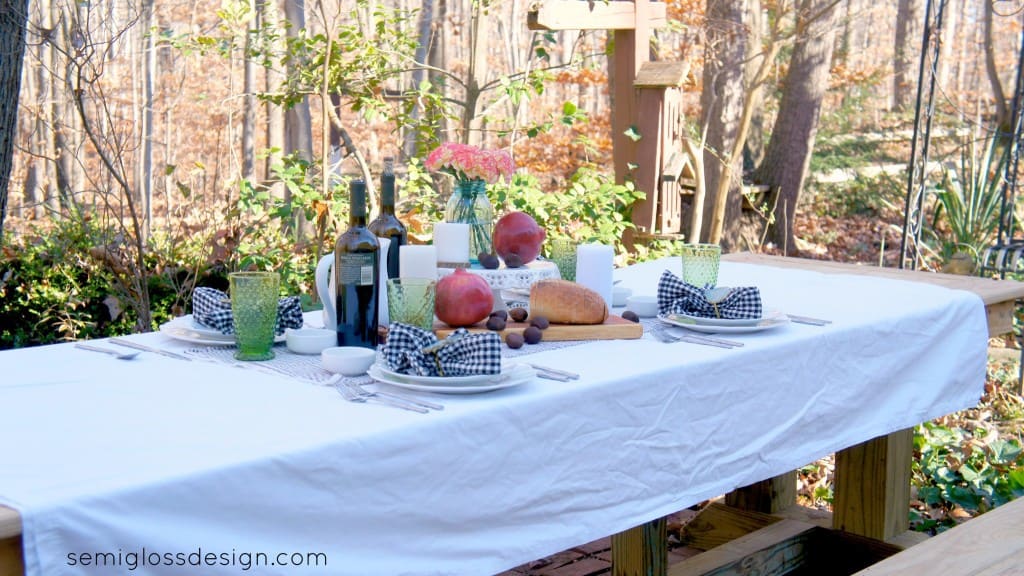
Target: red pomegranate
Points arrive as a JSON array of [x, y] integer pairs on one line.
[[463, 299], [517, 234]]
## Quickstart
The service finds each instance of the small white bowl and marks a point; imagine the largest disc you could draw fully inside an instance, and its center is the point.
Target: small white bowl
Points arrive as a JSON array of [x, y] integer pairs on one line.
[[644, 306], [310, 340], [348, 360], [619, 295]]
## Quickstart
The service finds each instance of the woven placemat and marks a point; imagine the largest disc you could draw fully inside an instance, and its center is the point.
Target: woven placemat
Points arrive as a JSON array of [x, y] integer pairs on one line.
[[285, 362], [307, 366]]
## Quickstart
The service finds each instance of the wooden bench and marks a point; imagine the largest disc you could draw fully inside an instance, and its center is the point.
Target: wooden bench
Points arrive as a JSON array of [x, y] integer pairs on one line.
[[990, 544]]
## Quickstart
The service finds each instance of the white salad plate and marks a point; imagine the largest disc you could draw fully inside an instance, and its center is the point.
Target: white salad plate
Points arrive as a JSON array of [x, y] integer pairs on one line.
[[755, 325], [186, 329], [511, 375]]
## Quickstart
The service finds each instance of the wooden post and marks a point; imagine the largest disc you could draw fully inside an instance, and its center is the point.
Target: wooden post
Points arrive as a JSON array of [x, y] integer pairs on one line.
[[632, 23], [11, 563], [872, 487], [661, 129], [768, 496], [641, 551], [632, 49]]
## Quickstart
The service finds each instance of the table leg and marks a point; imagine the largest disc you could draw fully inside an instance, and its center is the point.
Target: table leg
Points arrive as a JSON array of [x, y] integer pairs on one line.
[[641, 551], [11, 563], [768, 496], [872, 486]]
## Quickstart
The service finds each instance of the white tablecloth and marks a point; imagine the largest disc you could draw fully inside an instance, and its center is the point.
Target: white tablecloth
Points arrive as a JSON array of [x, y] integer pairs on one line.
[[175, 457]]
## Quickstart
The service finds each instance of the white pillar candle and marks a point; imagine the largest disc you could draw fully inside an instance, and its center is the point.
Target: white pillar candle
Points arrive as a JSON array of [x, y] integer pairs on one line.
[[594, 265], [416, 261], [382, 287], [452, 242]]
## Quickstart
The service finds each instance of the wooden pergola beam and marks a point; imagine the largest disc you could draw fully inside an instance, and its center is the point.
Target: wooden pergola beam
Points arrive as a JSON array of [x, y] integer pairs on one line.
[[585, 15]]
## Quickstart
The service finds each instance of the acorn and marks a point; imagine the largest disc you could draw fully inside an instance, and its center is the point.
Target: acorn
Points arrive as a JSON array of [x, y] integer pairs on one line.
[[540, 322], [513, 261], [518, 314], [514, 340], [496, 323], [488, 260]]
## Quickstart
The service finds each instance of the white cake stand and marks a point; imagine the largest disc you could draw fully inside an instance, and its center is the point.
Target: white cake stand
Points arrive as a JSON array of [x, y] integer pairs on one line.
[[515, 279]]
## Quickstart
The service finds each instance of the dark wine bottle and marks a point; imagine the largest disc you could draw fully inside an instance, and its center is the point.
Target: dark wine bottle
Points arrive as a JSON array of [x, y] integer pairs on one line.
[[387, 225], [356, 262]]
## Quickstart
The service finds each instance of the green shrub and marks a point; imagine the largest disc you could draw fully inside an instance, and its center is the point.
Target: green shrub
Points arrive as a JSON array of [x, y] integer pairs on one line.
[[974, 469], [53, 290], [968, 199], [592, 208]]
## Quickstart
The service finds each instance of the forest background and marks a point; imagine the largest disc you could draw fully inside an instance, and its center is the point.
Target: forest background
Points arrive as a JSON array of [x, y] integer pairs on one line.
[[158, 146], [183, 138]]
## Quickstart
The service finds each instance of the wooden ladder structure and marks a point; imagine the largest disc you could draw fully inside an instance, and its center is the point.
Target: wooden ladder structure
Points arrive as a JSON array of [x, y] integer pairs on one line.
[[647, 102]]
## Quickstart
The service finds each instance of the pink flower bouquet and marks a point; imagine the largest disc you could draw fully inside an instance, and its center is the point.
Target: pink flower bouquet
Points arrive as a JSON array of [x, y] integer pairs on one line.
[[467, 162]]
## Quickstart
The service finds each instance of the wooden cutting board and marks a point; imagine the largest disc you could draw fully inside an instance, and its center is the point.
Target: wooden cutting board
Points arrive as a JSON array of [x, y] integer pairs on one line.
[[614, 328]]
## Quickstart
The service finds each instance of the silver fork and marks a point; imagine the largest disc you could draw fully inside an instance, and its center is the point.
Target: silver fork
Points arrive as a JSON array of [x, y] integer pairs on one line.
[[662, 334], [396, 397], [115, 353], [352, 396]]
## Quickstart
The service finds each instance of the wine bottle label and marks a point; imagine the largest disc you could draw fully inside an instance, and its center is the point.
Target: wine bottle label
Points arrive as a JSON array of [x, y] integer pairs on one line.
[[357, 268]]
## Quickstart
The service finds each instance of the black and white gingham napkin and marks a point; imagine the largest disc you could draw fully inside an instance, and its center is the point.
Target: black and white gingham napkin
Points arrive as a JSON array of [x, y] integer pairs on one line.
[[460, 354], [212, 308], [677, 297]]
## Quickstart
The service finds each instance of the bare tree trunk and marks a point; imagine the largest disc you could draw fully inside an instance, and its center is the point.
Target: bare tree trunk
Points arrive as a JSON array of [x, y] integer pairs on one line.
[[789, 151], [298, 122], [948, 41], [41, 170], [722, 101], [753, 148], [149, 73], [962, 59], [424, 46], [906, 52], [1002, 109], [438, 59], [60, 115], [846, 43], [480, 26], [271, 16], [249, 100], [13, 19]]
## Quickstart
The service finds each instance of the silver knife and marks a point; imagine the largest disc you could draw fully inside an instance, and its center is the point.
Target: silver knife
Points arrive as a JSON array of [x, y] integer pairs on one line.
[[808, 320], [705, 341], [143, 347], [402, 398], [704, 338], [722, 341], [555, 371]]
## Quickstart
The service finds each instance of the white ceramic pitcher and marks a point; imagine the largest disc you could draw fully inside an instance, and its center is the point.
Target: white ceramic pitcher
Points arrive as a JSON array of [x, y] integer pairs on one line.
[[326, 287]]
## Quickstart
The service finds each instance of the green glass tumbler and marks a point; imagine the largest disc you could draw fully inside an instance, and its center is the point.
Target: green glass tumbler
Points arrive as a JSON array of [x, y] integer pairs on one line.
[[254, 297], [411, 301], [563, 254], [700, 264]]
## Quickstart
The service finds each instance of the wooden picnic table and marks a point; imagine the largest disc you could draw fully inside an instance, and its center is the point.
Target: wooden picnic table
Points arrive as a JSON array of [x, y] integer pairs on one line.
[[872, 478], [872, 485]]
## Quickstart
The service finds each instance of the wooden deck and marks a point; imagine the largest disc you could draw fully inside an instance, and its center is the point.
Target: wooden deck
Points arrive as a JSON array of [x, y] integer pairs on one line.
[[989, 545]]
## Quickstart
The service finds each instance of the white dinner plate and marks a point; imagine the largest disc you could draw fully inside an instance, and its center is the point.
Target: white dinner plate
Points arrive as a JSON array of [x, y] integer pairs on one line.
[[515, 375], [441, 380], [763, 324], [186, 329], [704, 321]]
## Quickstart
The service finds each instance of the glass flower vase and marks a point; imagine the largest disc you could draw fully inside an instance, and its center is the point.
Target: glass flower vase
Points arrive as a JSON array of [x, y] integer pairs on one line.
[[469, 205]]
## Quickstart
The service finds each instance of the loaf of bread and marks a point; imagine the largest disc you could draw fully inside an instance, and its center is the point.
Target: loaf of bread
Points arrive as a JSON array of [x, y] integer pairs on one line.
[[564, 302]]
